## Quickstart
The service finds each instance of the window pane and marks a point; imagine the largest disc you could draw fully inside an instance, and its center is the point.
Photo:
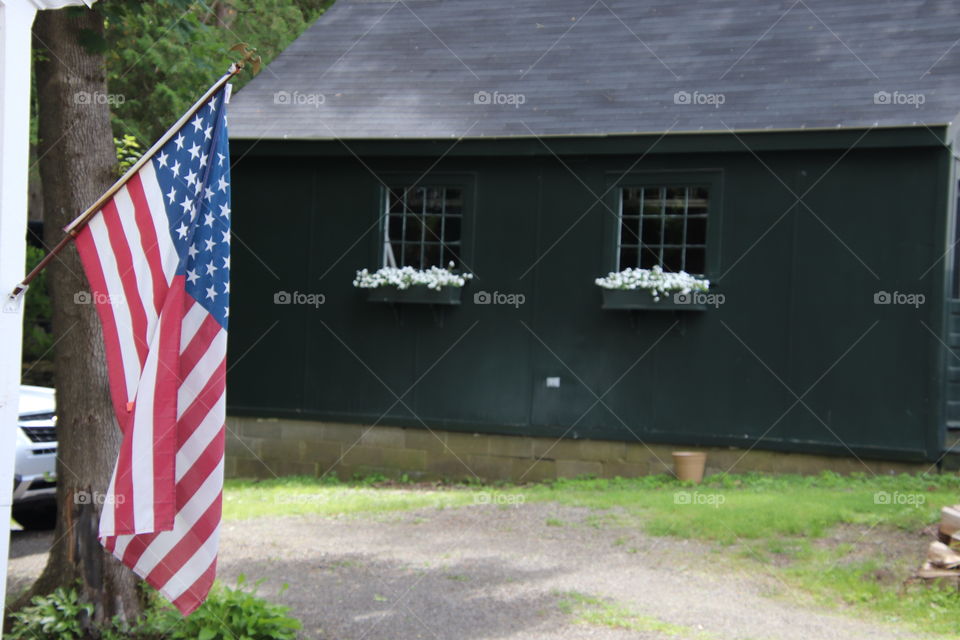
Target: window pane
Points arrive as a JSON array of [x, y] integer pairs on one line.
[[433, 228], [651, 231], [675, 202], [434, 199], [628, 258], [412, 230], [630, 230], [395, 227], [696, 260], [672, 260], [697, 200], [652, 201], [649, 257], [696, 231], [415, 200], [454, 202], [673, 230], [630, 202], [431, 255], [411, 255], [451, 229], [395, 200]]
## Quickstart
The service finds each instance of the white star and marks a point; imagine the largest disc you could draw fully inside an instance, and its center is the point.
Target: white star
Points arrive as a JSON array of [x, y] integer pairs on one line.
[[226, 237], [172, 195], [198, 187], [209, 193], [226, 265], [222, 184], [207, 132], [187, 204], [226, 287], [209, 244], [179, 142], [192, 276], [191, 177], [197, 123], [212, 106], [208, 219], [203, 161], [226, 312], [221, 158], [211, 293], [162, 159], [211, 268], [176, 169], [224, 210], [194, 151], [192, 250], [182, 230]]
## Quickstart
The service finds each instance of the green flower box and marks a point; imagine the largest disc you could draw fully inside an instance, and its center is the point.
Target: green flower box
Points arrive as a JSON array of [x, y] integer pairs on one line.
[[629, 299], [416, 294]]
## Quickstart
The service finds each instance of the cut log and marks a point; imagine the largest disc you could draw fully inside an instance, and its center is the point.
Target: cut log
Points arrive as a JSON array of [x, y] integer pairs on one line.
[[942, 556], [932, 574], [950, 520]]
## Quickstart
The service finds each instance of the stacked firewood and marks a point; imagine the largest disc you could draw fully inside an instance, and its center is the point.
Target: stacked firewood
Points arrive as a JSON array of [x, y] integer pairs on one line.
[[943, 556]]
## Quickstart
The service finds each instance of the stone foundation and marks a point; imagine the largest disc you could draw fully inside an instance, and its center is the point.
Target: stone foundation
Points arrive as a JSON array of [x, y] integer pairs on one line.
[[265, 448]]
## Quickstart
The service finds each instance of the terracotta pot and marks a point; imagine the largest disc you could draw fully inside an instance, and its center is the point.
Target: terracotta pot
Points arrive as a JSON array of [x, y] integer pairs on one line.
[[689, 465]]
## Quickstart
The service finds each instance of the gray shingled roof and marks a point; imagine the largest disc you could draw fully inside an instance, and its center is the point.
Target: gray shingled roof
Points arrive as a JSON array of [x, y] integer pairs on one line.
[[413, 68]]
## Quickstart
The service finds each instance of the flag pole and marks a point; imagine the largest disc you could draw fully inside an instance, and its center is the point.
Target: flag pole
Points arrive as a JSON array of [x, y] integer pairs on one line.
[[81, 221]]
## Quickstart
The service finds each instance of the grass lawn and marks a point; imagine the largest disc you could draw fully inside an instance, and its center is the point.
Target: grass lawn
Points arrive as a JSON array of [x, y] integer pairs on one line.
[[840, 540]]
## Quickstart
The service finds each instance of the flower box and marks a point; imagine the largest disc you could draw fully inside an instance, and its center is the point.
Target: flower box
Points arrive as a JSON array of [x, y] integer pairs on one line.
[[416, 294], [643, 299]]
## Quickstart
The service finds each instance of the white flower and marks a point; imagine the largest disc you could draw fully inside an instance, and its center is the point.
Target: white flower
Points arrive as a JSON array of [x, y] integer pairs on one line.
[[403, 277], [655, 280]]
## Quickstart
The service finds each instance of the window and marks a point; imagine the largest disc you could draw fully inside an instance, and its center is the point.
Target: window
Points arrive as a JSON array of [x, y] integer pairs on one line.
[[422, 226], [664, 225]]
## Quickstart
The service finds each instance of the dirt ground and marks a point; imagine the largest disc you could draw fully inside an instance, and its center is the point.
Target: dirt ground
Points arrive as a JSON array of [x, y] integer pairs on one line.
[[499, 572]]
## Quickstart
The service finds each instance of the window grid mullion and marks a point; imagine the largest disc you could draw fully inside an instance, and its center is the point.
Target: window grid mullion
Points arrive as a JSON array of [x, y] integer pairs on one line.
[[640, 245], [683, 248], [423, 225], [663, 222]]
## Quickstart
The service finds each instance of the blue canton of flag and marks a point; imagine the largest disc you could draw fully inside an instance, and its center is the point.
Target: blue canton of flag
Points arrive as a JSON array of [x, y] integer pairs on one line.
[[193, 171]]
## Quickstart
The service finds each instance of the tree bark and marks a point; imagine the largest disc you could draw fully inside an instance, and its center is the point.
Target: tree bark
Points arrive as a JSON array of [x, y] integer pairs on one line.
[[78, 163]]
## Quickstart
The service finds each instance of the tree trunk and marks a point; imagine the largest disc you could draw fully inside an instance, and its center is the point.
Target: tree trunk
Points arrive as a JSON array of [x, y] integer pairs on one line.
[[78, 163]]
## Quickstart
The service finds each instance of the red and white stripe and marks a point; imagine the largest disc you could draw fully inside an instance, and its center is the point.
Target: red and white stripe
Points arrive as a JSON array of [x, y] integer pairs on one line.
[[166, 358]]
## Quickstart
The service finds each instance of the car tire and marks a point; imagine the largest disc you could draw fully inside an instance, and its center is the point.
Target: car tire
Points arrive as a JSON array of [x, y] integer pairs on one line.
[[36, 517]]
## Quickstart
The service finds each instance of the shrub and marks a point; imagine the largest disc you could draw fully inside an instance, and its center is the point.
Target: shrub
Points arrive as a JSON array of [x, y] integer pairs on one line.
[[57, 616], [232, 614], [227, 614]]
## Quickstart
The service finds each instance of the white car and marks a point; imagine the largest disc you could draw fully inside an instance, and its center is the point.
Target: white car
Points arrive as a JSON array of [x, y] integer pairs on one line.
[[35, 480]]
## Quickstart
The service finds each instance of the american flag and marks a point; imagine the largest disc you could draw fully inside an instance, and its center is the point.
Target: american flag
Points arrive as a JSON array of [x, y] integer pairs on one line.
[[157, 256]]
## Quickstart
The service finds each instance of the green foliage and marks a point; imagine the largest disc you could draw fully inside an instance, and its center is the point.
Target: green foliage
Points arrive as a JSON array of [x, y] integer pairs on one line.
[[227, 614], [162, 55], [128, 152], [231, 614], [58, 616], [37, 335]]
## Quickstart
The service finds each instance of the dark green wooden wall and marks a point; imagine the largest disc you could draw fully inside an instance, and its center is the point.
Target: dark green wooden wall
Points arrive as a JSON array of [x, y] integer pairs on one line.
[[799, 319]]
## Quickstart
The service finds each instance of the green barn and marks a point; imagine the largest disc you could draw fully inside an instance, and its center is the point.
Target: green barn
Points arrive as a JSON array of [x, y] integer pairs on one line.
[[799, 156]]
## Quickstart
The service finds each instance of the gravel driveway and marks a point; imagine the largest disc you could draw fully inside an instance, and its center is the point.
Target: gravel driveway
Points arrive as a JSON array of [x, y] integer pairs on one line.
[[500, 572]]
